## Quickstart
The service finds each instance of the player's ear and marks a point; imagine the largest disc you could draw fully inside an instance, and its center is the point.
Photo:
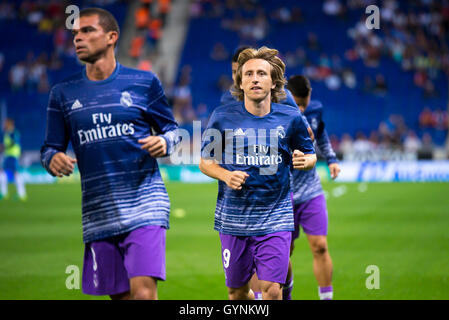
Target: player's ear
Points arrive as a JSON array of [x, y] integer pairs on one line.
[[113, 37]]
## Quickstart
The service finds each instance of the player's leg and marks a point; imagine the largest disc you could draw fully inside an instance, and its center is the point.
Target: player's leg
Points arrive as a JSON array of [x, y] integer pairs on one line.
[[314, 221], [287, 287], [242, 293], [144, 259], [20, 186], [254, 284], [3, 184], [322, 265], [271, 290], [121, 296], [143, 288], [103, 271], [238, 266], [271, 257]]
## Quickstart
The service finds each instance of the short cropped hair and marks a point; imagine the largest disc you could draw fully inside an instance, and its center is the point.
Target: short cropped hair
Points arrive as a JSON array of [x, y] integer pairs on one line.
[[277, 72], [106, 19], [299, 86]]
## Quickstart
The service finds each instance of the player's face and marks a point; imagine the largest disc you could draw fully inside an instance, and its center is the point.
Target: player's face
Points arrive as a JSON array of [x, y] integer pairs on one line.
[[256, 79], [90, 39]]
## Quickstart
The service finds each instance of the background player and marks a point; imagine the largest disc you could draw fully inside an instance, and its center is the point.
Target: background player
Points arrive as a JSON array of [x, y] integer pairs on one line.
[[253, 214], [308, 198], [12, 152], [108, 112]]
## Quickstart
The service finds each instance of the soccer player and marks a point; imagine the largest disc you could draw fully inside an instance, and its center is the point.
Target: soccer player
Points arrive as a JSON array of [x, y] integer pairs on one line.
[[228, 98], [308, 199], [254, 214], [108, 112], [12, 151]]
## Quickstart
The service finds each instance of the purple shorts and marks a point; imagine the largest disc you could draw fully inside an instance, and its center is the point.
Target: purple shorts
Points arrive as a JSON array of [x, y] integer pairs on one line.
[[268, 255], [312, 216], [111, 262]]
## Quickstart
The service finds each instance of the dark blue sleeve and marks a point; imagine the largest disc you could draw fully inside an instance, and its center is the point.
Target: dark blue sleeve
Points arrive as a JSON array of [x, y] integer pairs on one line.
[[227, 97], [160, 116], [289, 100], [207, 138], [300, 138], [323, 142], [57, 133]]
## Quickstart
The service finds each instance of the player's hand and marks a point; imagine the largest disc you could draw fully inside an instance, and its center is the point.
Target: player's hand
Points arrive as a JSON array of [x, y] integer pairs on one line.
[[334, 169], [236, 179], [62, 165], [155, 145], [303, 162]]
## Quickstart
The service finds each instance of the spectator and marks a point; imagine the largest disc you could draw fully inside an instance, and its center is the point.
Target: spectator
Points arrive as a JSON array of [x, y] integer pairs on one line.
[[346, 144], [332, 7], [380, 86], [349, 78], [333, 82], [219, 52], [17, 76], [361, 143], [426, 118], [142, 17], [427, 146], [412, 142]]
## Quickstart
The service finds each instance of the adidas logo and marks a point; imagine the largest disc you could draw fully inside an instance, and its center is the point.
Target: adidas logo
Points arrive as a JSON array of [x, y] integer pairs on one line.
[[76, 105], [239, 132]]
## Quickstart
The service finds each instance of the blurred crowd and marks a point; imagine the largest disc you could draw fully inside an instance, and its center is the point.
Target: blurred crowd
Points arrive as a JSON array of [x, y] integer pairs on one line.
[[394, 134], [149, 20], [47, 17], [416, 38]]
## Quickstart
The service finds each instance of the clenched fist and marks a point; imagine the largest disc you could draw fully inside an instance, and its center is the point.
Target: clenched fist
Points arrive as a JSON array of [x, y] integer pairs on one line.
[[236, 179], [155, 145], [62, 165]]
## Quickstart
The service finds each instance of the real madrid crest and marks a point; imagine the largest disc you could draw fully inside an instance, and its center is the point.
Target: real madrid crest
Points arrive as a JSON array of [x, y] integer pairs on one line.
[[126, 100]]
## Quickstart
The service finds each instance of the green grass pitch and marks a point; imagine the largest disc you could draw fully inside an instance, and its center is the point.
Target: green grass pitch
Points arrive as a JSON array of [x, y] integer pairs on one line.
[[402, 228]]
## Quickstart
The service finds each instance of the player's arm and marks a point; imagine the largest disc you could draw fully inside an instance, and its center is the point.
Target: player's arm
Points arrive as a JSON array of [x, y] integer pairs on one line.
[[324, 144], [160, 116], [53, 157], [233, 179], [302, 161], [303, 156]]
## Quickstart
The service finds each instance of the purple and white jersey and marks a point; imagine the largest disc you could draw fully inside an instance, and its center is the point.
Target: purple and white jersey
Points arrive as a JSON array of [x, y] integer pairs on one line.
[[307, 184], [122, 188]]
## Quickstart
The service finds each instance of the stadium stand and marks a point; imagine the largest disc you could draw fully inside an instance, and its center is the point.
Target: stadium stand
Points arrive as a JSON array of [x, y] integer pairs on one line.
[[387, 87], [362, 77]]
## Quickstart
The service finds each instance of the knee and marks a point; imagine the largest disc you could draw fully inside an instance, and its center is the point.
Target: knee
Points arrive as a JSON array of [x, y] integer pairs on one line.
[[272, 292], [143, 293], [319, 248], [238, 293]]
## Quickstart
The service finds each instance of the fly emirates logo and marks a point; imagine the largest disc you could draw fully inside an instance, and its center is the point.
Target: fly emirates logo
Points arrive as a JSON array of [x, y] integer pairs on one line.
[[104, 129], [259, 155]]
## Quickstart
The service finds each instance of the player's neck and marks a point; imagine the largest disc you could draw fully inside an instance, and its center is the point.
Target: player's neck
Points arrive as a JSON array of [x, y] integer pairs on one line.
[[258, 108], [101, 69], [302, 108]]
